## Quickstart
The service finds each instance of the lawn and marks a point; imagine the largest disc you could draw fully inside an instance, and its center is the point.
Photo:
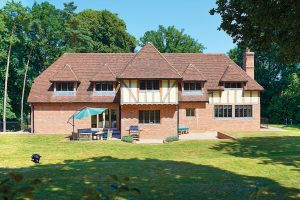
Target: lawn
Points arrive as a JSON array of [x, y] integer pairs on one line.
[[258, 165]]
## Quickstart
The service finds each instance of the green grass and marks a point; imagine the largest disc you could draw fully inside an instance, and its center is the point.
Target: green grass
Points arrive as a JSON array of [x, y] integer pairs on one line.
[[258, 165]]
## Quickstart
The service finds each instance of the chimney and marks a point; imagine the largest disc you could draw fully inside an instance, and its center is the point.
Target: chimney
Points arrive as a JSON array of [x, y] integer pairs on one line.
[[248, 63]]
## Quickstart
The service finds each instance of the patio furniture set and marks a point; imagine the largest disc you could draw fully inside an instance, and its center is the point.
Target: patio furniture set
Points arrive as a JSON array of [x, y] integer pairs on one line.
[[91, 134]]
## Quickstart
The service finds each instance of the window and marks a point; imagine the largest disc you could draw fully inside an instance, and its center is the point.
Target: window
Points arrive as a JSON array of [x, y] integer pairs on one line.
[[243, 111], [223, 111], [149, 84], [192, 86], [67, 86], [233, 85], [105, 86], [149, 116], [190, 112]]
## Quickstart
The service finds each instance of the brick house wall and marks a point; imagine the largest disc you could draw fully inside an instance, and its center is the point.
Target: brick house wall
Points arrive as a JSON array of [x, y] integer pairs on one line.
[[204, 119], [167, 126], [53, 118]]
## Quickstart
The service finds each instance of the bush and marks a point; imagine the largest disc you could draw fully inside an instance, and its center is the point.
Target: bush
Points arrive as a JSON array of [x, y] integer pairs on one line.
[[127, 138], [172, 138]]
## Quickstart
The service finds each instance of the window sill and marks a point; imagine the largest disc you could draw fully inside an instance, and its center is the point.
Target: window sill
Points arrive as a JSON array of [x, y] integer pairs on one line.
[[64, 93], [103, 93], [192, 93]]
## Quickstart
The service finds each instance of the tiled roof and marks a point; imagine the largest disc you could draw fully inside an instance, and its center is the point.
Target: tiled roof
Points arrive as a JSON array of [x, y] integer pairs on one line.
[[104, 74], [149, 63], [65, 74], [233, 74], [191, 73], [87, 67]]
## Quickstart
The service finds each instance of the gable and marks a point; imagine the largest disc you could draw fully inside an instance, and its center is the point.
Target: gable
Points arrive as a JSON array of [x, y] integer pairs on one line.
[[149, 63]]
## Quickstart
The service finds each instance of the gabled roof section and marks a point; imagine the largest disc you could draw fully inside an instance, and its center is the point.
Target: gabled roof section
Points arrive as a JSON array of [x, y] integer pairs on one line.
[[233, 74], [191, 73], [149, 63], [104, 74], [66, 74]]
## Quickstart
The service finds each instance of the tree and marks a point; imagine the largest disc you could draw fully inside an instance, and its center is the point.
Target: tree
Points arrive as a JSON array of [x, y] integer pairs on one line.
[[263, 24], [107, 32], [14, 15], [43, 33], [171, 40], [276, 80]]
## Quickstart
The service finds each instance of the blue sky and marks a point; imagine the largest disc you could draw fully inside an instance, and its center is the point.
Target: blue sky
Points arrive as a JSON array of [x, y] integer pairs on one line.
[[143, 15]]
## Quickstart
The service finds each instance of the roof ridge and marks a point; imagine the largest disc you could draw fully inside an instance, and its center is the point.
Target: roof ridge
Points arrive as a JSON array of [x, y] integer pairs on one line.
[[165, 59], [121, 72]]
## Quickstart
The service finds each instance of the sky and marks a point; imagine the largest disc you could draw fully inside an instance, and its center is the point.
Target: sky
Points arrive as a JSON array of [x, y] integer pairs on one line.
[[144, 15]]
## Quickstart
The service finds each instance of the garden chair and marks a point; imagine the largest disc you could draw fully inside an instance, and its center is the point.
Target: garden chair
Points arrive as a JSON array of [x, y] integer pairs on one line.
[[134, 131]]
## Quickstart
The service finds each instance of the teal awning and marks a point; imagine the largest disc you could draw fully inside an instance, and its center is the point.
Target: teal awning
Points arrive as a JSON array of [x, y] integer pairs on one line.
[[87, 112]]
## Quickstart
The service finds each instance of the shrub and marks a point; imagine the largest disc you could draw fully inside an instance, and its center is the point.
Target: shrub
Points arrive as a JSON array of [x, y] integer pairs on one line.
[[172, 138], [127, 138]]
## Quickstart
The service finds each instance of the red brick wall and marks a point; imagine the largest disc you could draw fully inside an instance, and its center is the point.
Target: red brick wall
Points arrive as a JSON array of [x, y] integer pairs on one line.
[[52, 118], [167, 126], [204, 119]]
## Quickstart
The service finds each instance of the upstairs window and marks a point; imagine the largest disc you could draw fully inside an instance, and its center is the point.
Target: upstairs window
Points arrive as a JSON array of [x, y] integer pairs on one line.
[[104, 86], [243, 111], [233, 85], [67, 86], [149, 84], [192, 86]]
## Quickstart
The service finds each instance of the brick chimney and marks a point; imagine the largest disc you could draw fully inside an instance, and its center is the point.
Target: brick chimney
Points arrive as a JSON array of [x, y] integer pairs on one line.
[[248, 63]]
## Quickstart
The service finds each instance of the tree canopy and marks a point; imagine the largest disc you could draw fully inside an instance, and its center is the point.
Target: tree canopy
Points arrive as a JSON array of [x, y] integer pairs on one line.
[[281, 98], [263, 25], [42, 34], [171, 40]]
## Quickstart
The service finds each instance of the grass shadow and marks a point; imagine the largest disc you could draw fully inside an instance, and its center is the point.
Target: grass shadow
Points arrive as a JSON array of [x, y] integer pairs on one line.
[[283, 150], [157, 179]]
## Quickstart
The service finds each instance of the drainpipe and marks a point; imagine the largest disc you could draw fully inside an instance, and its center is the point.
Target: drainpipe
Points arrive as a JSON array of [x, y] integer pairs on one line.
[[177, 109], [32, 125]]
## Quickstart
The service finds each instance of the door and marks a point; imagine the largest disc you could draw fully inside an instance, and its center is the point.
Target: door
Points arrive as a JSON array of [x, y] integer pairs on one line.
[[108, 119]]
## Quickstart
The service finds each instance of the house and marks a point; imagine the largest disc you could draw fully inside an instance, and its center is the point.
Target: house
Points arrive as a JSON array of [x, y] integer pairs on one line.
[[158, 91]]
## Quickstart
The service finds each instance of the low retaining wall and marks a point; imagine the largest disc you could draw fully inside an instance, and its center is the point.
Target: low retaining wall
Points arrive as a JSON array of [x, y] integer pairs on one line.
[[224, 136]]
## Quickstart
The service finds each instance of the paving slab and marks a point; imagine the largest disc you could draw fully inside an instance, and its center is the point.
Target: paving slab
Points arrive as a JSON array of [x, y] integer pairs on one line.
[[209, 135], [150, 141]]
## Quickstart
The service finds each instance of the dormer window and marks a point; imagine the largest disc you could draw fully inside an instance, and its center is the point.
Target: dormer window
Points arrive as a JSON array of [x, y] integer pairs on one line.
[[68, 86], [192, 86], [233, 85], [64, 88], [103, 89], [105, 86]]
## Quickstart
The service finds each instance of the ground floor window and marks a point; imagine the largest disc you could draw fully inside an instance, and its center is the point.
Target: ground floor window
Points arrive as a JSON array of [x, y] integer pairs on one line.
[[149, 116], [222, 111], [190, 112], [243, 111]]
